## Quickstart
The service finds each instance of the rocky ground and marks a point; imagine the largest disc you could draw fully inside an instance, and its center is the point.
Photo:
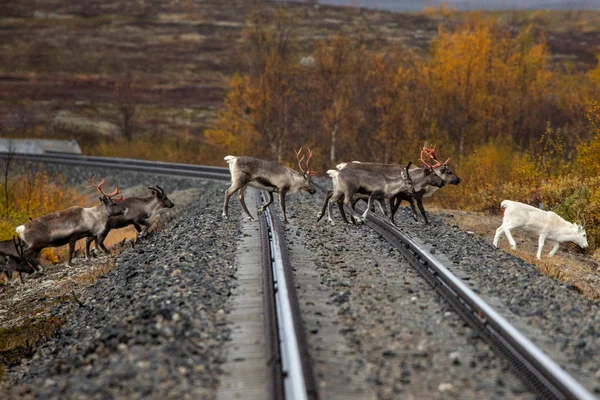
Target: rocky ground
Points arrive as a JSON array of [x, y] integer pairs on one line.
[[154, 327]]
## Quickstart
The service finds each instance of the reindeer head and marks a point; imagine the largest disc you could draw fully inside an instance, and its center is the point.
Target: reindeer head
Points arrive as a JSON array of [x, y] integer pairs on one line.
[[20, 249], [113, 206], [162, 197], [306, 174], [440, 168], [581, 237], [431, 177]]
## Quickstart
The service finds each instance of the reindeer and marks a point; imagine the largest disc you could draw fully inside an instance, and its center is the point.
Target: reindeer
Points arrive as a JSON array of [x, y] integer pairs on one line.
[[422, 181], [392, 171], [546, 224], [71, 224], [139, 210], [442, 170], [349, 182], [269, 176], [11, 251]]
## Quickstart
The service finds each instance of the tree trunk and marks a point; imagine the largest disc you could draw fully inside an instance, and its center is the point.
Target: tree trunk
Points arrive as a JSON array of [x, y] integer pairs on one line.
[[333, 143]]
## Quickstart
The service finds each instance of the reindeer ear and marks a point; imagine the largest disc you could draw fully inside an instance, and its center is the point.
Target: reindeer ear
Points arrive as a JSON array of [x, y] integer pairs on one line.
[[102, 199]]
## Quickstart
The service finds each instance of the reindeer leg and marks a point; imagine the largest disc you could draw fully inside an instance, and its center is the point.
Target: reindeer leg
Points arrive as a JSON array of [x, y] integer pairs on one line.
[[354, 201], [142, 232], [353, 212], [88, 242], [513, 244], [235, 186], [340, 204], [100, 241], [381, 208], [498, 235], [72, 243], [20, 278], [369, 205], [282, 194], [555, 246], [541, 241], [267, 204], [334, 199], [325, 202], [422, 209], [243, 203], [412, 207]]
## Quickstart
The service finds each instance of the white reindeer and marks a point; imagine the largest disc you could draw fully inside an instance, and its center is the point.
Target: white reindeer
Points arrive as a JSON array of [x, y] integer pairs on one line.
[[548, 225]]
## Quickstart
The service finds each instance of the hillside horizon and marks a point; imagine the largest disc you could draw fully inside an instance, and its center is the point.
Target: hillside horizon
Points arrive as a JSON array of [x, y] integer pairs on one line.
[[462, 5]]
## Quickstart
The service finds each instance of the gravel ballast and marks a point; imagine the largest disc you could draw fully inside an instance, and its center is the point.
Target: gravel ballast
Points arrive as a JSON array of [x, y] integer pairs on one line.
[[155, 327]]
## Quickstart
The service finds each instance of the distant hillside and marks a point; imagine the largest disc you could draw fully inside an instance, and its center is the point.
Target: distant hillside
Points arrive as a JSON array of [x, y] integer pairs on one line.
[[77, 70], [419, 5]]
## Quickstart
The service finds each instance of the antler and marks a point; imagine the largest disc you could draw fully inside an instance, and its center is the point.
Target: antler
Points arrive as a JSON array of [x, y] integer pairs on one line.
[[307, 171], [422, 160], [430, 152], [579, 221], [19, 247], [99, 188], [299, 159]]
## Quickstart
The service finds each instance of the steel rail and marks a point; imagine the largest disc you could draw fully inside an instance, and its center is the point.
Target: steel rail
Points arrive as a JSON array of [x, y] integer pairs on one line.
[[155, 167], [540, 373], [296, 365]]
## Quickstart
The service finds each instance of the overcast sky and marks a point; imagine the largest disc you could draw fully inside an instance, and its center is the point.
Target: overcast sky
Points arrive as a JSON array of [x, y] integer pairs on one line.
[[418, 5]]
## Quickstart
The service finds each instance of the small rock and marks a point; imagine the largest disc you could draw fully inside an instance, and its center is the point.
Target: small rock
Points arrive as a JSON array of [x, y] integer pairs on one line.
[[446, 387], [455, 357], [176, 273]]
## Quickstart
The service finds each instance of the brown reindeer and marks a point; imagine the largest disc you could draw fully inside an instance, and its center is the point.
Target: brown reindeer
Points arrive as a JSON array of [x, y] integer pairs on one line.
[[12, 259], [266, 175], [139, 211], [441, 169], [70, 225]]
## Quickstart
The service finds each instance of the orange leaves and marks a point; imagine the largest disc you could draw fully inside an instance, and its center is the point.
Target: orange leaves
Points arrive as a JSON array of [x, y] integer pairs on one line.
[[33, 196]]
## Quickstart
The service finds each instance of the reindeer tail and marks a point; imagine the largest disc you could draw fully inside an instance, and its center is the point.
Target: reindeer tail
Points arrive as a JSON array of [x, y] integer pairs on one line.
[[332, 172], [341, 165], [505, 203], [20, 230], [229, 159]]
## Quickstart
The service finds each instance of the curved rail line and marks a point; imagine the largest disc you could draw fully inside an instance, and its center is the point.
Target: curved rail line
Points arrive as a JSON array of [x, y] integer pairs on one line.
[[537, 370], [129, 164], [540, 373]]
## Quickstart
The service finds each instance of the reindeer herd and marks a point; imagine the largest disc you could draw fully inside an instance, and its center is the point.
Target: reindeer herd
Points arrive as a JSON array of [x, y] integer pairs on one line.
[[351, 182], [376, 182], [21, 254]]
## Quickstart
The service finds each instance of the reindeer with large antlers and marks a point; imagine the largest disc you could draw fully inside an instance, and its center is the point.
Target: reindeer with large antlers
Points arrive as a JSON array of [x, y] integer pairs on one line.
[[270, 176], [71, 224], [424, 185]]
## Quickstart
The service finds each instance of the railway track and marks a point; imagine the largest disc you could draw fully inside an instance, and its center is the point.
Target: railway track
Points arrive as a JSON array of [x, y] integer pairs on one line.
[[538, 371]]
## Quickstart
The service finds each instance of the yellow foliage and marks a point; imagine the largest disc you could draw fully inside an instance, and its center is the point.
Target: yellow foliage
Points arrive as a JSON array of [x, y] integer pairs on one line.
[[588, 161], [31, 196]]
